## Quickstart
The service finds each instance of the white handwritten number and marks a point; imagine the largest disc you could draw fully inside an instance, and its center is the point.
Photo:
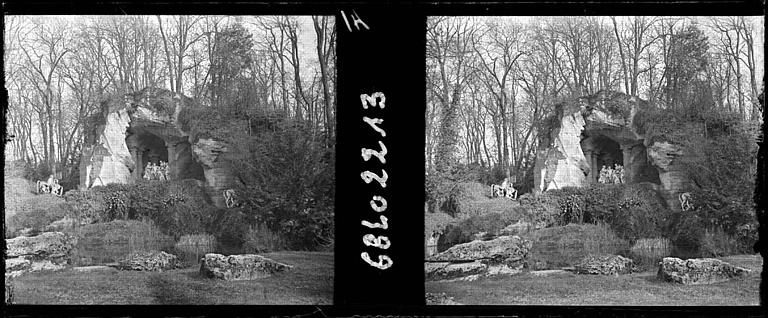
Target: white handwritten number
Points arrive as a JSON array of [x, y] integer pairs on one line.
[[367, 153], [383, 225], [355, 20], [381, 208], [370, 176], [372, 240], [366, 99], [374, 122], [384, 261]]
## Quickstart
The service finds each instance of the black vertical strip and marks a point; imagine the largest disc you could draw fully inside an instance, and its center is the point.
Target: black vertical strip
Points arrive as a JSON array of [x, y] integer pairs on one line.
[[388, 57]]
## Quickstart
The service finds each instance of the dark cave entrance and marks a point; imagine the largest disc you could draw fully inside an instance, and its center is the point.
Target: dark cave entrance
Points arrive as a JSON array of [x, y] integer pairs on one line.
[[148, 147], [603, 149]]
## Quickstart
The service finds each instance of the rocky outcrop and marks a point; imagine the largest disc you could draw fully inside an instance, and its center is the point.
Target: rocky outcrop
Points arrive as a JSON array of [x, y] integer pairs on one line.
[[503, 255], [605, 265], [562, 163], [447, 270], [698, 271], [17, 264], [666, 157], [52, 246], [144, 127], [149, 261], [440, 299], [239, 267], [600, 130]]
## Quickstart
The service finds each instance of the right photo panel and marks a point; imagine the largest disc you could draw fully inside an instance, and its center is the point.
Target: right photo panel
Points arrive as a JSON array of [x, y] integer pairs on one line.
[[596, 160]]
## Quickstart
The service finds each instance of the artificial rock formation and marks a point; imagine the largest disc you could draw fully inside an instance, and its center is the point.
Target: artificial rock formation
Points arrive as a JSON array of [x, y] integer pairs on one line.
[[698, 271], [47, 251], [52, 246], [149, 261], [599, 130], [144, 128], [239, 267], [605, 265], [502, 255]]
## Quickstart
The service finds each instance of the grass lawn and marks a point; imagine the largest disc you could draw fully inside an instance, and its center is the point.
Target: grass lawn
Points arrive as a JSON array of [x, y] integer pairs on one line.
[[627, 290], [310, 282]]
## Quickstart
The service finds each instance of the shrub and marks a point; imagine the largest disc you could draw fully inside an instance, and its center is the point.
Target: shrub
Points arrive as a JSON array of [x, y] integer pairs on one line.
[[436, 223], [260, 239], [230, 226], [177, 207], [197, 244], [290, 184], [647, 252], [632, 210], [716, 243], [542, 208], [561, 246]]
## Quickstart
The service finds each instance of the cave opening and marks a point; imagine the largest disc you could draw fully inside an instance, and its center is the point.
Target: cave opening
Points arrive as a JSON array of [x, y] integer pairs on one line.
[[148, 147], [604, 150]]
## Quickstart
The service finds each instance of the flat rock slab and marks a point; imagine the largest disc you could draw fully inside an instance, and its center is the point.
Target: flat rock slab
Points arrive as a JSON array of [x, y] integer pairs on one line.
[[605, 265], [447, 270], [54, 246], [17, 264], [508, 249], [149, 261], [550, 272], [96, 268], [698, 271], [239, 267], [440, 299]]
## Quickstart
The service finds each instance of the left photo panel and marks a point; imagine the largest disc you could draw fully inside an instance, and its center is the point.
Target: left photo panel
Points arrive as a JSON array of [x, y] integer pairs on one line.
[[169, 159]]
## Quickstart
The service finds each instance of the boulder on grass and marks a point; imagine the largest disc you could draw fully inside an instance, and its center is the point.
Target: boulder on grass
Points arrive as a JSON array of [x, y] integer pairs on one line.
[[440, 299], [149, 261], [239, 267], [53, 246], [698, 271], [446, 270], [503, 249], [604, 265], [17, 264]]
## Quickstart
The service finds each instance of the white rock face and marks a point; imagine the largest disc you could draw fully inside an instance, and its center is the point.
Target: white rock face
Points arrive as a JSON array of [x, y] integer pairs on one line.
[[110, 158], [674, 180], [563, 164]]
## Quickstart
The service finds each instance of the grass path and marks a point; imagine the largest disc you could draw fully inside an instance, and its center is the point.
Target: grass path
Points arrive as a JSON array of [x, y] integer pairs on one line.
[[627, 290], [309, 283]]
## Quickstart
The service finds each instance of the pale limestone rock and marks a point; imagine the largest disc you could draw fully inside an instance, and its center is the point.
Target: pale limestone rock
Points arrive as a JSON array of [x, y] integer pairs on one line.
[[447, 270], [239, 267], [698, 271], [54, 246]]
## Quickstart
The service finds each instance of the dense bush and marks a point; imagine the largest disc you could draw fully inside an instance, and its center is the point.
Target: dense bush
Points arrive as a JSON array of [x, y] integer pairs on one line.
[[260, 239], [721, 157], [633, 211], [289, 183], [560, 246], [177, 207]]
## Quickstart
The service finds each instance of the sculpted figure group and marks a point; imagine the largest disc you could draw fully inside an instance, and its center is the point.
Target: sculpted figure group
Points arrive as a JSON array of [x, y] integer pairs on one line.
[[504, 190], [50, 186]]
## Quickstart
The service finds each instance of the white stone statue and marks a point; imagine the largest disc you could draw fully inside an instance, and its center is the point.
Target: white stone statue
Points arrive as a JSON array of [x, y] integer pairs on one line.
[[686, 201], [230, 198]]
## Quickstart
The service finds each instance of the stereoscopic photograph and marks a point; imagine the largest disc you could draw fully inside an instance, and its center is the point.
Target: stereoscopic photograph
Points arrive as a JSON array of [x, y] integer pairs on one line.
[[169, 159], [592, 160]]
